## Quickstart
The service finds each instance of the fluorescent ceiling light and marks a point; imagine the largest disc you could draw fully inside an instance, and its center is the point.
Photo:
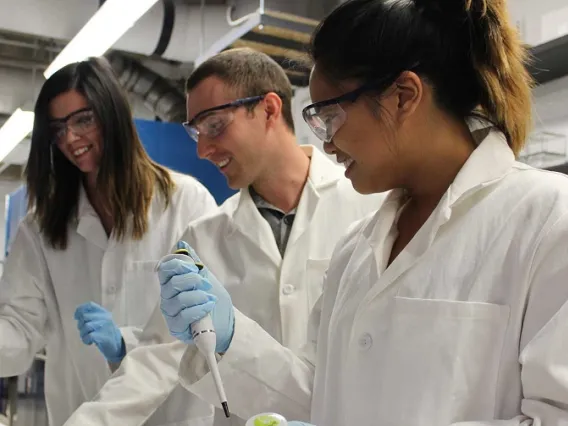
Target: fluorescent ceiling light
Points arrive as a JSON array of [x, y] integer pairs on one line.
[[14, 130], [103, 30]]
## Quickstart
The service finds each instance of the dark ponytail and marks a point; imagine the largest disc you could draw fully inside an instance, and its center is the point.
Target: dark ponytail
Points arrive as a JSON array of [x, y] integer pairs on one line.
[[466, 49]]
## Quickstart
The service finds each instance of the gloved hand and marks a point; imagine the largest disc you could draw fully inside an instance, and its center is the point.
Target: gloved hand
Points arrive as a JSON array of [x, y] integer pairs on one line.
[[96, 326], [189, 294]]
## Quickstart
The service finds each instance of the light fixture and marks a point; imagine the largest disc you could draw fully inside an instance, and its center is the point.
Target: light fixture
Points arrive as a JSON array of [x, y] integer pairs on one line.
[[104, 29], [14, 130]]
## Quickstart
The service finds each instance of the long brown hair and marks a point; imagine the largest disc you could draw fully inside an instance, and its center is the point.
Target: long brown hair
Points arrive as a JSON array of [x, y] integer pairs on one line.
[[468, 50], [127, 176]]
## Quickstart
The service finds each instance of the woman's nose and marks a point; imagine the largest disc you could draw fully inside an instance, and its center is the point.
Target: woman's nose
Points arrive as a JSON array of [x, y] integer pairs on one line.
[[329, 147]]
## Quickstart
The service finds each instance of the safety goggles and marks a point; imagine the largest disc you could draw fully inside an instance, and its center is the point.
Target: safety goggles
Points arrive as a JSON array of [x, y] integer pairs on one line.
[[80, 122], [325, 118], [213, 121]]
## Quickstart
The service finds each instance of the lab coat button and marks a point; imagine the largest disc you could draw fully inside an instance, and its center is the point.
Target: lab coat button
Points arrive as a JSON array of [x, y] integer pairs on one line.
[[288, 289], [365, 341], [111, 289]]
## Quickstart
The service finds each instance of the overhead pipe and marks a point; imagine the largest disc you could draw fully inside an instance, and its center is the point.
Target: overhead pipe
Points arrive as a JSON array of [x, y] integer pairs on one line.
[[169, 29], [158, 94]]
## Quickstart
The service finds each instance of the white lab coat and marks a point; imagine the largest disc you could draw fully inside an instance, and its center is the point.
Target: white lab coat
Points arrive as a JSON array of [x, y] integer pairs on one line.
[[468, 325], [239, 247], [41, 288]]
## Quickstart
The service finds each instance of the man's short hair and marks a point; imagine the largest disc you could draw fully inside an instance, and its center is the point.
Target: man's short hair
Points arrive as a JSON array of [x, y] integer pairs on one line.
[[249, 73]]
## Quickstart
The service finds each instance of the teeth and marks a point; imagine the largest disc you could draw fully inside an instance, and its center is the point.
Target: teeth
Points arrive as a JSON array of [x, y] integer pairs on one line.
[[223, 163], [80, 151], [347, 162]]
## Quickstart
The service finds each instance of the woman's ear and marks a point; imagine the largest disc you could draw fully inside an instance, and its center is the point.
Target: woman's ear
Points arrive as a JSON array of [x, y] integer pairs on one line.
[[409, 91]]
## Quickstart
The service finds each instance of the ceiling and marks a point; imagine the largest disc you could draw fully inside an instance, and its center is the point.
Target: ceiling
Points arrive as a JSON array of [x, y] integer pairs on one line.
[[207, 2], [24, 57]]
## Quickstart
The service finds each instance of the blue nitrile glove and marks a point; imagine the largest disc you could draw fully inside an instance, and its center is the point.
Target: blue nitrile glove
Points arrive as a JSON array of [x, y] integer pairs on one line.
[[96, 326], [188, 294]]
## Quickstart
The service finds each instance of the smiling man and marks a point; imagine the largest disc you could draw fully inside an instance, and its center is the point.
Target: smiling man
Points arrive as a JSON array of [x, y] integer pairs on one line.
[[270, 244]]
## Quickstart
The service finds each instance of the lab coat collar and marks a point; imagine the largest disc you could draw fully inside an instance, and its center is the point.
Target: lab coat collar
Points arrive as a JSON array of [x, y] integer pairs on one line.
[[490, 162], [247, 220], [323, 173]]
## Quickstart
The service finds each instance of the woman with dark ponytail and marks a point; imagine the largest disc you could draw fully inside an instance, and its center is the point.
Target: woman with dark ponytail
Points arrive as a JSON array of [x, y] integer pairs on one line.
[[449, 305]]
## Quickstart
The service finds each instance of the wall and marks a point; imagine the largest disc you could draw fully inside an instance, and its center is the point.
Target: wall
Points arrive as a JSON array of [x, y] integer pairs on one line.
[[550, 134], [540, 20]]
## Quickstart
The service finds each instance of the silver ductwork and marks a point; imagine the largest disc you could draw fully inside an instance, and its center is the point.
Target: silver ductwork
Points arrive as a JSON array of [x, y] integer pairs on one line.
[[62, 20], [159, 95]]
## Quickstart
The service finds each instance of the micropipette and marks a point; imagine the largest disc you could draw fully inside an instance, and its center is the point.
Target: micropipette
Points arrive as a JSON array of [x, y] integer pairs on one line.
[[205, 339]]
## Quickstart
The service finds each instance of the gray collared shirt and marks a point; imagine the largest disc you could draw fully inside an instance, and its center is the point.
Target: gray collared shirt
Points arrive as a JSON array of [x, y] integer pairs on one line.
[[279, 221]]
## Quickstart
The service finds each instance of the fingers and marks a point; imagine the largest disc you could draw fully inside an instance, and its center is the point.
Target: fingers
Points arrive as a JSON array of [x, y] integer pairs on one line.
[[183, 283], [86, 308], [90, 315], [173, 267], [87, 316], [87, 339], [96, 338], [172, 307], [182, 322], [81, 323], [90, 327], [87, 331], [91, 318], [186, 308], [191, 251]]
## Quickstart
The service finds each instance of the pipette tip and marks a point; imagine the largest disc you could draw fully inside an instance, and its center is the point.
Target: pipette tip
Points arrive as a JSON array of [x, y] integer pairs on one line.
[[226, 409]]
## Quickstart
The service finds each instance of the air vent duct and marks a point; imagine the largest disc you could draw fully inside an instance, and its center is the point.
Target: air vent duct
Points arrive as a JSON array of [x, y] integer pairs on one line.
[[158, 94]]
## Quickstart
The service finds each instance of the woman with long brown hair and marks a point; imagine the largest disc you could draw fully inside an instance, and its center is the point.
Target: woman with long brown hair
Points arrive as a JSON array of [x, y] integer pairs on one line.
[[100, 213]]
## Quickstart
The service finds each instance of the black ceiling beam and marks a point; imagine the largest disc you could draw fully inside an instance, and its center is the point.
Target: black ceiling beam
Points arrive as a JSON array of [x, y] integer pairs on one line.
[[562, 168], [549, 60]]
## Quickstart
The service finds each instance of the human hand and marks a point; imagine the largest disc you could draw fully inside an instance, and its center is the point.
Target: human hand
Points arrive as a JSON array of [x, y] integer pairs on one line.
[[189, 291], [96, 326]]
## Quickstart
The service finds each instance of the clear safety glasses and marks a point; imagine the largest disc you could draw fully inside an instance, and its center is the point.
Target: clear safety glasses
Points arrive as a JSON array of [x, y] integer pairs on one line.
[[80, 122], [325, 118], [212, 121]]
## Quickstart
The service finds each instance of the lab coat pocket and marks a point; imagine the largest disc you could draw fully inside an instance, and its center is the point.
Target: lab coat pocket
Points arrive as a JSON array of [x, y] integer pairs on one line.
[[141, 292], [315, 273], [443, 358]]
